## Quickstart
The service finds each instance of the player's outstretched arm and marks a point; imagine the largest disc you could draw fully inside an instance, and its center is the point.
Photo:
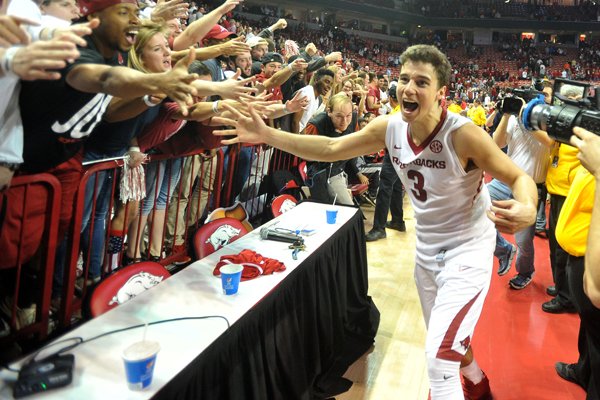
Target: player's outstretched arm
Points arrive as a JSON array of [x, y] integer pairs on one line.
[[252, 129]]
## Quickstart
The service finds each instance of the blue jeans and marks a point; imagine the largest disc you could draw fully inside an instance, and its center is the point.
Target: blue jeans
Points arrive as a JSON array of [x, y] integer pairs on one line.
[[523, 238], [164, 186], [103, 183]]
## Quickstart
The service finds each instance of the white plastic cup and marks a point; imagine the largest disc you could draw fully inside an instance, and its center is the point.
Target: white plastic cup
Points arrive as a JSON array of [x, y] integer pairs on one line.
[[140, 359], [231, 274]]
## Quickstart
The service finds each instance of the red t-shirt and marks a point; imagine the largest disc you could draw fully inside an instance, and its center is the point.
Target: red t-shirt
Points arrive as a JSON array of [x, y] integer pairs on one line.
[[162, 128], [375, 92], [277, 95]]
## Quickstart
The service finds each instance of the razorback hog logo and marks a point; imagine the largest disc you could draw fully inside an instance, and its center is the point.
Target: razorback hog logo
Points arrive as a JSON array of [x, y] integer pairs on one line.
[[135, 285], [286, 206], [222, 235]]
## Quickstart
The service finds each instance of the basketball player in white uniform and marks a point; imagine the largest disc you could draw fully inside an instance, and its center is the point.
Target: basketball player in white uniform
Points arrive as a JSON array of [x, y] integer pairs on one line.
[[440, 158]]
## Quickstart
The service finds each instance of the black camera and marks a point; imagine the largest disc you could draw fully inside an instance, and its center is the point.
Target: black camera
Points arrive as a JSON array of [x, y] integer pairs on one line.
[[573, 104]]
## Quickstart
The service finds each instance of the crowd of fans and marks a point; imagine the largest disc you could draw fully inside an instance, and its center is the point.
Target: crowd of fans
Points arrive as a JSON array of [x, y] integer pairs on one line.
[[127, 82]]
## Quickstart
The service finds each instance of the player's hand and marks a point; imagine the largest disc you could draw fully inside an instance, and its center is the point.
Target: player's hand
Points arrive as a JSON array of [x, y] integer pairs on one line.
[[589, 149], [250, 129], [511, 216]]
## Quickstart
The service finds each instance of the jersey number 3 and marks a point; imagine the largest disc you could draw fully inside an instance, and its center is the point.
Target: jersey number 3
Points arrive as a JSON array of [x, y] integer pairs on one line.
[[418, 187]]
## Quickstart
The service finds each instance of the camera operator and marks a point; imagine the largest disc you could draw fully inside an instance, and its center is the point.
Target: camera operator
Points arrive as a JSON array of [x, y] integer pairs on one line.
[[574, 231], [558, 181], [530, 152]]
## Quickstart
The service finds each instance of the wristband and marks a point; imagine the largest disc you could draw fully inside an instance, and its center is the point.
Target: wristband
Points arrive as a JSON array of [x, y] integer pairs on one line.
[[215, 107], [134, 148], [147, 101], [286, 109], [6, 63]]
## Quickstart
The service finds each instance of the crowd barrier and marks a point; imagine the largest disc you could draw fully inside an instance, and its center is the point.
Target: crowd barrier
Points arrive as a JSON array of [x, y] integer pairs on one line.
[[197, 184], [29, 215]]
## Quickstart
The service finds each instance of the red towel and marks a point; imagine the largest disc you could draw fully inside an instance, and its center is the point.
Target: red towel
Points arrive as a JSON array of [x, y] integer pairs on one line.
[[254, 264]]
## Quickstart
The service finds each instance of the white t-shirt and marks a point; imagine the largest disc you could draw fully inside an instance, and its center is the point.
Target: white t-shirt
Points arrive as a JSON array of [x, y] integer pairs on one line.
[[526, 151], [311, 108]]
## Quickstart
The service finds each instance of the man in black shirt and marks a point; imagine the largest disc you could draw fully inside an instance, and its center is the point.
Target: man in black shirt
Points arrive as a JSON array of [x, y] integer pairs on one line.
[[328, 180], [57, 115]]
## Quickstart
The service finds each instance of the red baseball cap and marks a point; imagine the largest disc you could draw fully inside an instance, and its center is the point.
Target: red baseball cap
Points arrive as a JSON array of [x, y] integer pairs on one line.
[[88, 7], [218, 32]]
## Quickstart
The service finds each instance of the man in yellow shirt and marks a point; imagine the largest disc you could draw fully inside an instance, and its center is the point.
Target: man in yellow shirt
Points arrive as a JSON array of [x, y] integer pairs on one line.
[[455, 106], [477, 113], [572, 231]]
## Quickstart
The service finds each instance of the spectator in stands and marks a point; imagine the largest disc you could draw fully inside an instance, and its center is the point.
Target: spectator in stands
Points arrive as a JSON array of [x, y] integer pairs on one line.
[[328, 180], [30, 61], [374, 97], [477, 113], [455, 107], [321, 84], [64, 11], [112, 138], [390, 193]]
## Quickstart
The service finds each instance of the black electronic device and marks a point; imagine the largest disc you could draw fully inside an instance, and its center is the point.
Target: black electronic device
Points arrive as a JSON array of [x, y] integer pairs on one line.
[[274, 234], [40, 376], [579, 106]]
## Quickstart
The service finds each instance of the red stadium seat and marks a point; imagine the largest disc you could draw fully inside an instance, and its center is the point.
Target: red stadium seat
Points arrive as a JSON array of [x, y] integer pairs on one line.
[[213, 235], [282, 203], [124, 285]]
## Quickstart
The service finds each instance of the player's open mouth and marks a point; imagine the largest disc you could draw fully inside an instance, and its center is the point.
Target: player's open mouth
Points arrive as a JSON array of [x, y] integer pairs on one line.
[[409, 106], [167, 62]]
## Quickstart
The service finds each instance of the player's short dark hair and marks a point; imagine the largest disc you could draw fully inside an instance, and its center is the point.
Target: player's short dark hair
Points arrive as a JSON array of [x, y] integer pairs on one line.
[[431, 55]]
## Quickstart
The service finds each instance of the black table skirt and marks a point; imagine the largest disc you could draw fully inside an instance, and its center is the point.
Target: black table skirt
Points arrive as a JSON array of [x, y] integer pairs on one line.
[[298, 341]]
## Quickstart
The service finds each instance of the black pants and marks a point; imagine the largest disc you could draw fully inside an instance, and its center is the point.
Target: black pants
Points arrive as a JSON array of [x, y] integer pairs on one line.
[[558, 257], [389, 195], [588, 366]]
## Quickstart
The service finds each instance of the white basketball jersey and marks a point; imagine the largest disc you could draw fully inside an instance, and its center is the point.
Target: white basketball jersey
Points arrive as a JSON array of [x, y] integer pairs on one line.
[[449, 203]]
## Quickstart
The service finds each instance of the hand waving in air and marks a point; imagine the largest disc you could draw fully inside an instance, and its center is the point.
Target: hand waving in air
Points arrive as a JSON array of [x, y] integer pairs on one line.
[[177, 83]]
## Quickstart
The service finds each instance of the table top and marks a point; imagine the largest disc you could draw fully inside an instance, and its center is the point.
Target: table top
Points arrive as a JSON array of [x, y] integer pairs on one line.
[[193, 292]]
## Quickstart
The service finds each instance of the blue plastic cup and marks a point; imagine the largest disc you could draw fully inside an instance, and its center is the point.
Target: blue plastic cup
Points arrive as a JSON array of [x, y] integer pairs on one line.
[[230, 278], [140, 359], [331, 215]]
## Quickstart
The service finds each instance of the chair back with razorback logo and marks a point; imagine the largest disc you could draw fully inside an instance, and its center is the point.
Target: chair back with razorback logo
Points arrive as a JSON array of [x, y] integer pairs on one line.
[[124, 285], [282, 204], [213, 235]]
